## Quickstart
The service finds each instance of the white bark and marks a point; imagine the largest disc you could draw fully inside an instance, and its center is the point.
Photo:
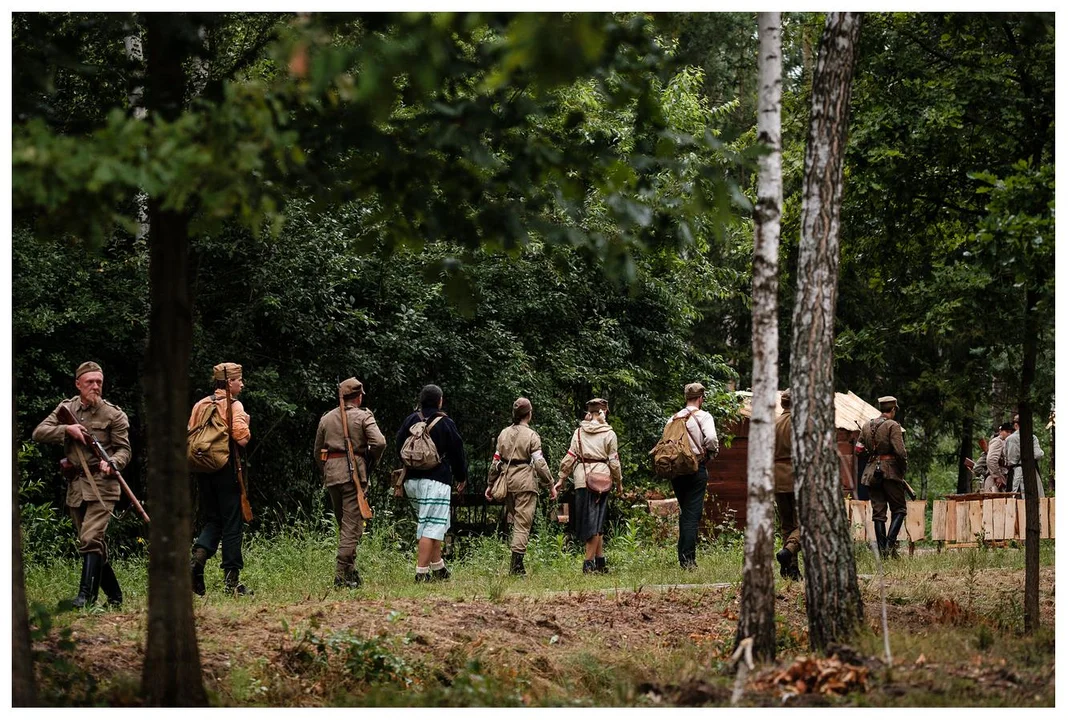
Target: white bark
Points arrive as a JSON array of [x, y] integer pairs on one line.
[[757, 618], [135, 98]]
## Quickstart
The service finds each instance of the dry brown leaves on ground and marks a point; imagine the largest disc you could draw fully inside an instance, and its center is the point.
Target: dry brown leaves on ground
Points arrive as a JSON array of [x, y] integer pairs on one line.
[[815, 675]]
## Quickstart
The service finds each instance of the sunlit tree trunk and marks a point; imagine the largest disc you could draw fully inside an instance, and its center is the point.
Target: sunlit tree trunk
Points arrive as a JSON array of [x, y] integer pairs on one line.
[[757, 616], [832, 595], [171, 673]]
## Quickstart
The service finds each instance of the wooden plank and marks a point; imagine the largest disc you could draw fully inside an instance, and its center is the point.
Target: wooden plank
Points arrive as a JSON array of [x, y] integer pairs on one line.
[[938, 520], [863, 529], [915, 519], [1021, 520], [988, 519], [1043, 518], [1011, 530], [964, 527], [951, 521], [997, 510], [975, 518], [1052, 517]]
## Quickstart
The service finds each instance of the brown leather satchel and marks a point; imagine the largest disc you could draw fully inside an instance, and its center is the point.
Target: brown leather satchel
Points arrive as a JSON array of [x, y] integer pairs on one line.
[[598, 482]]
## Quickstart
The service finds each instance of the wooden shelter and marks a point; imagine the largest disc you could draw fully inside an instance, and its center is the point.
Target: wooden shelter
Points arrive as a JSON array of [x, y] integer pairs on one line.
[[727, 474]]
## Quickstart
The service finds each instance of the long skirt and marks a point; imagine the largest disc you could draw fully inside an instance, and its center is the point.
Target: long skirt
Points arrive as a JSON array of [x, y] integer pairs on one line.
[[431, 500], [591, 509]]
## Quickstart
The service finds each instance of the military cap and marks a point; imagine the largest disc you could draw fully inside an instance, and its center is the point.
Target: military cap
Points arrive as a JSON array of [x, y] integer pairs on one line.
[[694, 390], [887, 402], [351, 386], [597, 404], [87, 367], [521, 408], [226, 371], [785, 399]]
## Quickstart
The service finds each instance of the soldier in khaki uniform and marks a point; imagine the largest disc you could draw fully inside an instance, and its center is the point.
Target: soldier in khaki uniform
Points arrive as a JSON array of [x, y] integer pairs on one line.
[[884, 446], [785, 500], [519, 457], [368, 444], [91, 497]]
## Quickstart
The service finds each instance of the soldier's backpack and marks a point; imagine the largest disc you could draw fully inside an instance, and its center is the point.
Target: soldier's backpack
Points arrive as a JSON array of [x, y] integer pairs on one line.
[[208, 444], [419, 451], [673, 456]]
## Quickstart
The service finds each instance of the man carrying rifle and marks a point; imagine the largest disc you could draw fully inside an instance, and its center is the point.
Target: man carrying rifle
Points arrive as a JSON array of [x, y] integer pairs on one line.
[[94, 487], [222, 492], [343, 466]]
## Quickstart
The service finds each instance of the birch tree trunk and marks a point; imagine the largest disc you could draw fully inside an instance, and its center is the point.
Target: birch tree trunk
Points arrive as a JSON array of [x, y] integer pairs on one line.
[[171, 674], [757, 616], [832, 595], [23, 687], [135, 99]]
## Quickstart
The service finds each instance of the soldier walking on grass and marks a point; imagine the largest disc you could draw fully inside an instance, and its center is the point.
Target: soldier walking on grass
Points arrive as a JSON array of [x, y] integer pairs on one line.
[[331, 455], [94, 487], [221, 492], [518, 458], [883, 444], [785, 500]]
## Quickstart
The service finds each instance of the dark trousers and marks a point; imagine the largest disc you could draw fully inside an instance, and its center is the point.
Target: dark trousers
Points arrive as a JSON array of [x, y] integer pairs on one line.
[[690, 492], [888, 492], [220, 509], [786, 504]]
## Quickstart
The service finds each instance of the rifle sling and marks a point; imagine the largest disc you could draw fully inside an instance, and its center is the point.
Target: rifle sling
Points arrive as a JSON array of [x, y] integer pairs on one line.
[[89, 476]]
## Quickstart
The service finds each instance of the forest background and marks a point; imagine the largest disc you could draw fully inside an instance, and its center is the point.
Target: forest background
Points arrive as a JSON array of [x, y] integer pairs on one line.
[[947, 233]]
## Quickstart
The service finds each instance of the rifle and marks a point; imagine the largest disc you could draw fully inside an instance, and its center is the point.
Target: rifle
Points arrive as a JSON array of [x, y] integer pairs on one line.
[[235, 454], [350, 457], [66, 417]]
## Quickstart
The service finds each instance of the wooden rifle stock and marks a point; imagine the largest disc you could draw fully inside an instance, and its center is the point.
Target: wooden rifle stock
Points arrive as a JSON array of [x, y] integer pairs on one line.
[[66, 417], [235, 453], [350, 456]]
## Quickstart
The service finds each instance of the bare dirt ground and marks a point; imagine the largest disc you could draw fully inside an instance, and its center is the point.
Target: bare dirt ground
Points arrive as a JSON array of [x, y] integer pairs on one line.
[[953, 644]]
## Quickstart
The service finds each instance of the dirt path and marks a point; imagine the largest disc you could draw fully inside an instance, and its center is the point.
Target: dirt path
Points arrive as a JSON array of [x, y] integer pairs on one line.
[[540, 637]]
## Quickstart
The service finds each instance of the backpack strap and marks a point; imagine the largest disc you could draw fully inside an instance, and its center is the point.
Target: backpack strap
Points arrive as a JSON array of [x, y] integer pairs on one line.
[[686, 424]]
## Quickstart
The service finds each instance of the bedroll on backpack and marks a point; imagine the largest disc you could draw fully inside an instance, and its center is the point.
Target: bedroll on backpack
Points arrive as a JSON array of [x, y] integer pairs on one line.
[[673, 456], [419, 451], [208, 444]]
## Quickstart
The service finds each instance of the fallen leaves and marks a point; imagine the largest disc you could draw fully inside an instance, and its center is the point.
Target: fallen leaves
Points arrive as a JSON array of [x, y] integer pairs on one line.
[[815, 675]]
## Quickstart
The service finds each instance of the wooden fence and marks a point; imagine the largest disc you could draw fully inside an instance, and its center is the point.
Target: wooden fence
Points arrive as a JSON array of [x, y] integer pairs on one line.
[[960, 522]]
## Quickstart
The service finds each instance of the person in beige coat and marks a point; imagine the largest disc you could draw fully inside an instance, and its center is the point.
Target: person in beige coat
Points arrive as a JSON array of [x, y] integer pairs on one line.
[[594, 449], [519, 458], [331, 455]]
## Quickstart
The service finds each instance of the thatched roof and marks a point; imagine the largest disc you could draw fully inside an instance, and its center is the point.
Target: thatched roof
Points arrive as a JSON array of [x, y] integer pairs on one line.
[[850, 412]]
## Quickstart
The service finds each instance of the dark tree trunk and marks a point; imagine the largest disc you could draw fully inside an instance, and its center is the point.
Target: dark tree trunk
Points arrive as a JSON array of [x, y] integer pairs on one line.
[[23, 691], [757, 616], [171, 674], [1027, 459], [964, 477], [832, 595]]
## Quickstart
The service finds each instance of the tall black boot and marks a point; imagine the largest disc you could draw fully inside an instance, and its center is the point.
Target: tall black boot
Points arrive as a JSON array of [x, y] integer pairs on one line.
[[891, 538], [110, 585], [89, 585], [200, 557], [234, 586], [880, 536], [600, 565], [517, 564]]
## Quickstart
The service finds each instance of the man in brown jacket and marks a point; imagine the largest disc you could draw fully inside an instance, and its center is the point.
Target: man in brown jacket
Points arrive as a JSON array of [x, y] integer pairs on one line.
[[91, 497], [884, 446], [368, 444], [519, 457], [785, 500]]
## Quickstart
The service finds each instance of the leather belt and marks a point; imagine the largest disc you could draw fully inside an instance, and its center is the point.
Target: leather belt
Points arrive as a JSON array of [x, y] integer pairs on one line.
[[515, 462], [331, 454], [888, 458]]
